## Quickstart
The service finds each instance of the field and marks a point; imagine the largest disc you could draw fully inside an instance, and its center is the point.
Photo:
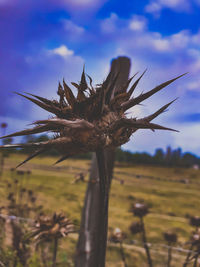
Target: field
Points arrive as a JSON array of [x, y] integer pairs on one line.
[[171, 193]]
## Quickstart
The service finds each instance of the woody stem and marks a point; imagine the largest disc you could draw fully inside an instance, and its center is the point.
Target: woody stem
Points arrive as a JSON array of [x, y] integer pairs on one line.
[[104, 193]]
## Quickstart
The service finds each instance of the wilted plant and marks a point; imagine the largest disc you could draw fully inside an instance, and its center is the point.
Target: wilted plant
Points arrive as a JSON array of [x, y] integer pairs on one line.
[[52, 229], [140, 210], [195, 221], [171, 238], [194, 242], [93, 120], [118, 236]]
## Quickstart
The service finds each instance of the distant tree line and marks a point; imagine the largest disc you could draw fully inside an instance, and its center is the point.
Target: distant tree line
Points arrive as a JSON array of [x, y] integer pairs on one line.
[[168, 158]]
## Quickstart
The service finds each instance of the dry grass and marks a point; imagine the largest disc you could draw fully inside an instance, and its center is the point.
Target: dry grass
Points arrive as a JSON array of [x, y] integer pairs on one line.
[[170, 201]]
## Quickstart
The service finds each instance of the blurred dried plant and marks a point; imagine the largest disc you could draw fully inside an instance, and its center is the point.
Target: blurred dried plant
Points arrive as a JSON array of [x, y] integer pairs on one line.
[[47, 229]]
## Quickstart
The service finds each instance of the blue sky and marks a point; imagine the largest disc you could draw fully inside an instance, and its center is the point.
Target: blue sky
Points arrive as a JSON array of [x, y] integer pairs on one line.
[[44, 41]]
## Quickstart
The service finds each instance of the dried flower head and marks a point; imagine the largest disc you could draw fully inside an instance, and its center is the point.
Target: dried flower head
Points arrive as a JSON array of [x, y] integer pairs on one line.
[[195, 221], [4, 125], [93, 119], [140, 209], [195, 240], [135, 228], [46, 228], [170, 237], [117, 235]]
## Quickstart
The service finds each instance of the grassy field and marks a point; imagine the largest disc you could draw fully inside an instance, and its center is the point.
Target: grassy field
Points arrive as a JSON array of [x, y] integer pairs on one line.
[[171, 193]]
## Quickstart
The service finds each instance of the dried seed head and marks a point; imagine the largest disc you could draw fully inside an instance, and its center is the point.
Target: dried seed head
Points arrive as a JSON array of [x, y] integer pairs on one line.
[[195, 221], [117, 235], [195, 240], [170, 237], [140, 209], [135, 228], [46, 228], [4, 125], [95, 118]]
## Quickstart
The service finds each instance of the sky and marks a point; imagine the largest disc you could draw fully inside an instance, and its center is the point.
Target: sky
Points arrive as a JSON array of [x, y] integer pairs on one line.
[[44, 41]]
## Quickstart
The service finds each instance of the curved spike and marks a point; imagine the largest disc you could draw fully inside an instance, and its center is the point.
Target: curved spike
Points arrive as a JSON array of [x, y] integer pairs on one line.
[[135, 84], [110, 89], [33, 145], [60, 91], [125, 87], [134, 101], [61, 159], [31, 156], [35, 130], [90, 80], [75, 85], [140, 124], [69, 95], [158, 112], [51, 109], [137, 124], [83, 84], [107, 80], [45, 100]]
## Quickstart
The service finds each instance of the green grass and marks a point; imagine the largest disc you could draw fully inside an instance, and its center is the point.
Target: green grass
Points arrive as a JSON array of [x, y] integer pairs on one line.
[[166, 196]]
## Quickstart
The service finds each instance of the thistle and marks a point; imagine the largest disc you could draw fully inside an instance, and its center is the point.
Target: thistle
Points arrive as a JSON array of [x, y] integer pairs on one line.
[[140, 210], [118, 236], [51, 229], [93, 119], [170, 238]]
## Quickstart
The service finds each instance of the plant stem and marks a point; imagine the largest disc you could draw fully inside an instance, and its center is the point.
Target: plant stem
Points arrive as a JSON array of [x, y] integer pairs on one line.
[[123, 254], [196, 259], [188, 256], [55, 248], [104, 192], [169, 255], [144, 239]]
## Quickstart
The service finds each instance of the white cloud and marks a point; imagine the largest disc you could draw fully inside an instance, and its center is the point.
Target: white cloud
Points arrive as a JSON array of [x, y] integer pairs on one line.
[[194, 85], [137, 23], [62, 51], [155, 6], [161, 44], [72, 28], [108, 25]]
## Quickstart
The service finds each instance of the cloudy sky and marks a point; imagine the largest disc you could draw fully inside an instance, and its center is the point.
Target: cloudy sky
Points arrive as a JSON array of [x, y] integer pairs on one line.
[[44, 41]]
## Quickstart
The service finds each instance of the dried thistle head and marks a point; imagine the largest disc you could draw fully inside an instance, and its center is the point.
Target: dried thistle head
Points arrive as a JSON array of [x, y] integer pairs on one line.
[[4, 125], [117, 235], [170, 237], [95, 118], [195, 221], [140, 210], [46, 228]]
